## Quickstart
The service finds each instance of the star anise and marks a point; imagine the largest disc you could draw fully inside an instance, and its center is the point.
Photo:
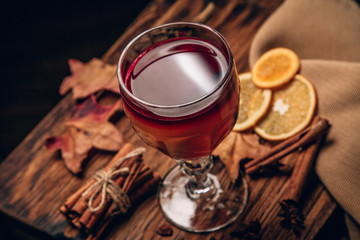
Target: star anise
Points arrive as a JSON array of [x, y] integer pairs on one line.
[[293, 218]]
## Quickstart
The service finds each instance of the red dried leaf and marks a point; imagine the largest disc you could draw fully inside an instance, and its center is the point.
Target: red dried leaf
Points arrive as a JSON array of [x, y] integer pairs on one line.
[[88, 128], [90, 110], [88, 78], [73, 155]]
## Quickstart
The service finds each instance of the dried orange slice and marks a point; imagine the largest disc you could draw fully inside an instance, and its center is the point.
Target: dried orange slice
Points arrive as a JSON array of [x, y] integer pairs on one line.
[[291, 110], [275, 68], [253, 103]]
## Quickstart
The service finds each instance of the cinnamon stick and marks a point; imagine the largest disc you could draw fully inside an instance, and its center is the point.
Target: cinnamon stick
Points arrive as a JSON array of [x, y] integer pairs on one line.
[[70, 201], [292, 216], [97, 234], [134, 172], [301, 171], [317, 129], [146, 188], [143, 176]]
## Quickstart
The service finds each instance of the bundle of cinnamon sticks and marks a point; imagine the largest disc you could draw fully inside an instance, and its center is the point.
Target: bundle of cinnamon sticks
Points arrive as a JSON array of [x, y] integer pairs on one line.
[[93, 206]]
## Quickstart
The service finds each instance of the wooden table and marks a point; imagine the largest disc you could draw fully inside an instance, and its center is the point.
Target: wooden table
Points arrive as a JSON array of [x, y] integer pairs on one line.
[[34, 181]]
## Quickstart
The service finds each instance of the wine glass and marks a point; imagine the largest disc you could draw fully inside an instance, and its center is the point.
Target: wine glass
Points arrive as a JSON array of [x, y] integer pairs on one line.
[[180, 91]]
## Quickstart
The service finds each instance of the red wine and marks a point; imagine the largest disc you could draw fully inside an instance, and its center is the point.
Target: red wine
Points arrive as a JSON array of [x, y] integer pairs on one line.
[[187, 73], [176, 72]]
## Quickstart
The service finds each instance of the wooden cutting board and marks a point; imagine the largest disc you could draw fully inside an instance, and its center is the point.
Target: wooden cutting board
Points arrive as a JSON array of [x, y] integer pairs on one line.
[[35, 183]]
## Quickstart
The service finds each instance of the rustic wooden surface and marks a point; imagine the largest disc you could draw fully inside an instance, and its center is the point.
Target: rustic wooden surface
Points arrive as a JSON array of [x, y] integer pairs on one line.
[[34, 181]]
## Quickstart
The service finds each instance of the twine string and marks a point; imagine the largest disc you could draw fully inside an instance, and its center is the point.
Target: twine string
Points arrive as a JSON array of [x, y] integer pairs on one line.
[[105, 185]]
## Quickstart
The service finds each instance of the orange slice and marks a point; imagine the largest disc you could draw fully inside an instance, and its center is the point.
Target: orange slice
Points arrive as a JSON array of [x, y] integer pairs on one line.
[[291, 110], [275, 68], [253, 103]]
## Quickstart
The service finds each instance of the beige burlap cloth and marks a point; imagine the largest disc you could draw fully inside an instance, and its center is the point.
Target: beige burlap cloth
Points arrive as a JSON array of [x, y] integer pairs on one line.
[[326, 36]]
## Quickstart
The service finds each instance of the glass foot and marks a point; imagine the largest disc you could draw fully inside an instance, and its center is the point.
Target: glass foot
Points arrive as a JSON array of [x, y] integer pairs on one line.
[[206, 213]]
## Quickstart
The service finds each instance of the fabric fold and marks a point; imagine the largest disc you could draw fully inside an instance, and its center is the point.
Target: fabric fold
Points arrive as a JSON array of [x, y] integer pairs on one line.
[[326, 36]]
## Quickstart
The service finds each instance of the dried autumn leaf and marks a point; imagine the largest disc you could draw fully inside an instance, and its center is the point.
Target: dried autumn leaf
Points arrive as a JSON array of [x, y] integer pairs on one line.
[[247, 145], [88, 128], [72, 153], [104, 135], [88, 78], [238, 146], [91, 111]]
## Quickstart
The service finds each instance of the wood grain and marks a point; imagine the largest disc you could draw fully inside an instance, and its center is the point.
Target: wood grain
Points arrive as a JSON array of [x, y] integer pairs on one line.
[[35, 182]]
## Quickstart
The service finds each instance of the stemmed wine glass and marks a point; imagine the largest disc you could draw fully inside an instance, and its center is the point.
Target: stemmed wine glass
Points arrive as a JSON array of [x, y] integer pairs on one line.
[[180, 91]]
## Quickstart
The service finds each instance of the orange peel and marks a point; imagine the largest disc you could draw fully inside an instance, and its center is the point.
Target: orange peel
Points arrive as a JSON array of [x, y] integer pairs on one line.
[[275, 68], [253, 104], [291, 110]]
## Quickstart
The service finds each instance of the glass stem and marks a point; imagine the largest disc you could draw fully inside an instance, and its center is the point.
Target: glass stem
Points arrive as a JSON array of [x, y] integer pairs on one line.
[[200, 184]]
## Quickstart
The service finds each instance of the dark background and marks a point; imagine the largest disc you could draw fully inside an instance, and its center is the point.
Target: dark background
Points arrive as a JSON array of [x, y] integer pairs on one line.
[[37, 39]]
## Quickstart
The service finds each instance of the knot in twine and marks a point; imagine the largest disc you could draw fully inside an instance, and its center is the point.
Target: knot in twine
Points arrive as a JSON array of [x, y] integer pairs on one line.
[[105, 185]]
